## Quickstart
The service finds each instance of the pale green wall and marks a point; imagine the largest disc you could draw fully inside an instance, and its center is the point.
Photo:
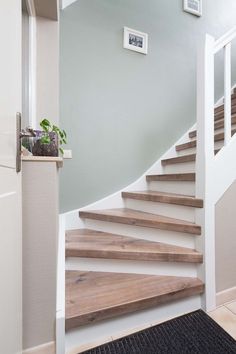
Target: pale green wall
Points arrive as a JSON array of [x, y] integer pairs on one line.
[[122, 109]]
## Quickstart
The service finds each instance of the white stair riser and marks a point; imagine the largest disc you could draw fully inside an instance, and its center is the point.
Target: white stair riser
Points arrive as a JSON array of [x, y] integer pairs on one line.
[[151, 234], [170, 210], [186, 167], [186, 188], [134, 267], [127, 324]]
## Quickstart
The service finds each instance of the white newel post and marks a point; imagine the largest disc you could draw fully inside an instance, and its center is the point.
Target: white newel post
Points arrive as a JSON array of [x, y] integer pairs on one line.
[[204, 163]]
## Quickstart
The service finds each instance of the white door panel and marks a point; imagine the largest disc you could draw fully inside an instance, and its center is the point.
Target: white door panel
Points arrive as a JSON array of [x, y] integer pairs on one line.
[[10, 181]]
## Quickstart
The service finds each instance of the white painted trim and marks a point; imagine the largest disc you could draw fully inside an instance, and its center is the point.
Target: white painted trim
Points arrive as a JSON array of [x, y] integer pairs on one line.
[[204, 161], [225, 39], [225, 296], [47, 348]]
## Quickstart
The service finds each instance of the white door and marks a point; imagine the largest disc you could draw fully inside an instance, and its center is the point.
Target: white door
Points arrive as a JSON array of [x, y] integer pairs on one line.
[[10, 180]]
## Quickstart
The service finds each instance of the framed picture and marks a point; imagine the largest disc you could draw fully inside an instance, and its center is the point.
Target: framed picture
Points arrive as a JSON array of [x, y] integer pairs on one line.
[[193, 7], [135, 40]]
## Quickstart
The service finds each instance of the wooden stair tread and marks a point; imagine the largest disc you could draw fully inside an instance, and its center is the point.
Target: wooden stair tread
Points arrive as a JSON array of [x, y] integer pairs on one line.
[[175, 177], [139, 218], [220, 115], [218, 125], [193, 143], [97, 244], [95, 296], [221, 107], [164, 197], [179, 159]]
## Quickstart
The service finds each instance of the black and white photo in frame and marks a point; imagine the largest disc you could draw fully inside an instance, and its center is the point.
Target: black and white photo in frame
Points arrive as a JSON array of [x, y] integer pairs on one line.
[[193, 7], [135, 40]]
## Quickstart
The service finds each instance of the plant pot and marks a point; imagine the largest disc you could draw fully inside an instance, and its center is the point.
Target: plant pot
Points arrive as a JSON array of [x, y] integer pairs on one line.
[[40, 149]]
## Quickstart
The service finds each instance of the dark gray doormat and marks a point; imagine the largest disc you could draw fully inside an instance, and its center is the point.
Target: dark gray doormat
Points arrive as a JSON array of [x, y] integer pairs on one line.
[[195, 333]]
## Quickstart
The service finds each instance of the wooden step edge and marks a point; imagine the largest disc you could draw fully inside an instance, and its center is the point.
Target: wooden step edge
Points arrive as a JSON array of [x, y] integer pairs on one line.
[[188, 257], [220, 115], [193, 143], [158, 222], [221, 107], [88, 243], [105, 313], [179, 159], [174, 177], [185, 146], [220, 110], [168, 198]]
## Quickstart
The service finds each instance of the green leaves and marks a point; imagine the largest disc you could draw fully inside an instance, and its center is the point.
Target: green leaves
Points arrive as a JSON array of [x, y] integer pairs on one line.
[[45, 125], [47, 128], [45, 139]]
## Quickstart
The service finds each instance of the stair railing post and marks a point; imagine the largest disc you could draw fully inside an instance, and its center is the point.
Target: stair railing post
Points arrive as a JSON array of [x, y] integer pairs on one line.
[[204, 163]]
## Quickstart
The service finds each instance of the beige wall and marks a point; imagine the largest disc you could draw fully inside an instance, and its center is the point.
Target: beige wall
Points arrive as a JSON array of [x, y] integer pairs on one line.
[[226, 240], [47, 75], [40, 231]]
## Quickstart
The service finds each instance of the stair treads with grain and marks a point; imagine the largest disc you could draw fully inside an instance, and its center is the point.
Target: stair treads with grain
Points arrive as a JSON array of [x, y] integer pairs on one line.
[[95, 296], [139, 218], [88, 243], [164, 197]]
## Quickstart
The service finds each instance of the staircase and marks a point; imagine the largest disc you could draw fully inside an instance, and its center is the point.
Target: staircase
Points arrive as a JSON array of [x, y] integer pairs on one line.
[[137, 257]]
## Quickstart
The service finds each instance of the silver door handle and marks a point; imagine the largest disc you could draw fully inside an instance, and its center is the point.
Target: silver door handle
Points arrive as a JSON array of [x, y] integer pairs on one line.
[[18, 142]]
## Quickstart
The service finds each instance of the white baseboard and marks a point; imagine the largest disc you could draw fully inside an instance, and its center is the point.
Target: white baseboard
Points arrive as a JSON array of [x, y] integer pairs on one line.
[[47, 348], [225, 296]]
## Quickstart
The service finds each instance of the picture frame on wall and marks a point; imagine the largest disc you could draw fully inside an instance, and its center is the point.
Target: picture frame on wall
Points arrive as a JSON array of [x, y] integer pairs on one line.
[[194, 7], [135, 40]]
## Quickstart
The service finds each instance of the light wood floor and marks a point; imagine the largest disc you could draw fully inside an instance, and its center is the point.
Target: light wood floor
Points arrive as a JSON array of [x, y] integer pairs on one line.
[[225, 316]]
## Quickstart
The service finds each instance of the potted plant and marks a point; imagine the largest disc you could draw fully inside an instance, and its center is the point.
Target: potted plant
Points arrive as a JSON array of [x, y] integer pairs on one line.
[[49, 141]]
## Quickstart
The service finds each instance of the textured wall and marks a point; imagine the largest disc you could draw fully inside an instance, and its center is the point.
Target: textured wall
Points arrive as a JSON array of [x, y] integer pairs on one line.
[[226, 240], [122, 109]]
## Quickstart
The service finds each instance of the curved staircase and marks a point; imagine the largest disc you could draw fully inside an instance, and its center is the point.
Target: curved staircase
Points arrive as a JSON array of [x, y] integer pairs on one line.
[[115, 262], [141, 256]]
